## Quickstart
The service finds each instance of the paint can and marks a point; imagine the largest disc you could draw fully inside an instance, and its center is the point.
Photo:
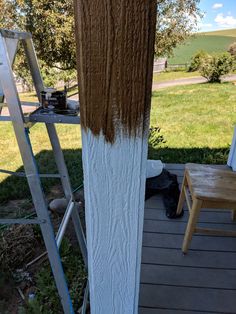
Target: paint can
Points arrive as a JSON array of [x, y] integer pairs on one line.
[[53, 99]]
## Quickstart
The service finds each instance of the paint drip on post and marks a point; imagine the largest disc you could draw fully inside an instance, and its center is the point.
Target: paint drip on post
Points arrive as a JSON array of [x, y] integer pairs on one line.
[[115, 93]]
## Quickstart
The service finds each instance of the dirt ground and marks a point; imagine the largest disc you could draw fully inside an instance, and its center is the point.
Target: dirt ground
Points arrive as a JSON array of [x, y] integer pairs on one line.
[[19, 245]]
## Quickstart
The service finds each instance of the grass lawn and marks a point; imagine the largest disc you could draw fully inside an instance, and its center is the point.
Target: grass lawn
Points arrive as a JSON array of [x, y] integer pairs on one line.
[[196, 121], [173, 75]]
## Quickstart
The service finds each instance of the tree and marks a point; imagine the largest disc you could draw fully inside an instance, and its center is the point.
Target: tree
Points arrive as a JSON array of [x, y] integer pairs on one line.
[[8, 15], [176, 21], [214, 66], [52, 26]]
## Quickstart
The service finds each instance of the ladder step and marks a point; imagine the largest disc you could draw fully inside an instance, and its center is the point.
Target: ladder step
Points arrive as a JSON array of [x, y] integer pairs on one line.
[[5, 118], [21, 221], [22, 174]]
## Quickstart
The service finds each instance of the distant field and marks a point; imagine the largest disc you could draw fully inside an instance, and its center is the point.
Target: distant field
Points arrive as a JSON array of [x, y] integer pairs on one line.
[[225, 32], [170, 76], [218, 41]]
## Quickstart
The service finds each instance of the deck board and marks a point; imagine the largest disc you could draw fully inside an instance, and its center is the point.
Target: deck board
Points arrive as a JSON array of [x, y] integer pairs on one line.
[[204, 280]]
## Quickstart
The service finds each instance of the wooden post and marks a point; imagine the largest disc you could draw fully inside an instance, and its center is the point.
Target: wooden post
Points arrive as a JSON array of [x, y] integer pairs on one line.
[[115, 48]]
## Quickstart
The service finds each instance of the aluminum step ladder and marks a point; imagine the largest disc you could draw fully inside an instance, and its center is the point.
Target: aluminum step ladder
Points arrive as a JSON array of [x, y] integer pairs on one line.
[[9, 41]]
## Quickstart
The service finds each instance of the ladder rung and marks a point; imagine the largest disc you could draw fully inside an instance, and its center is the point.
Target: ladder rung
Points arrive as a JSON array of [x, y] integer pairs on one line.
[[48, 175], [21, 221], [22, 174], [64, 223], [5, 118]]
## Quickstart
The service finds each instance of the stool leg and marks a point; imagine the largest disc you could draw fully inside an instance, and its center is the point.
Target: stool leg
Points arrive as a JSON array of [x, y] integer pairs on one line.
[[181, 197], [192, 221], [233, 215]]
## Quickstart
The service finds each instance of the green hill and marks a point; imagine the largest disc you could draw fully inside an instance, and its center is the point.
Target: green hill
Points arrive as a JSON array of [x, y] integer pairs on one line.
[[217, 41], [224, 32]]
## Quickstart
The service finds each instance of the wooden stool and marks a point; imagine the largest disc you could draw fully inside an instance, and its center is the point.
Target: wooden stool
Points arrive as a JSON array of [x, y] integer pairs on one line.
[[206, 187]]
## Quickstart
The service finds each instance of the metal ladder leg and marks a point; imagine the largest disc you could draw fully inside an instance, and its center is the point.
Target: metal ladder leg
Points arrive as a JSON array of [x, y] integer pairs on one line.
[[22, 136], [47, 229], [55, 143], [62, 169]]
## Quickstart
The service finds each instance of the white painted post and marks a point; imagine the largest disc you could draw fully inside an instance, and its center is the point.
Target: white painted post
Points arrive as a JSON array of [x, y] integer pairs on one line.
[[115, 41]]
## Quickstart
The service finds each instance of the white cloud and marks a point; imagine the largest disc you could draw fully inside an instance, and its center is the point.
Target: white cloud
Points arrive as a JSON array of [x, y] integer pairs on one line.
[[225, 20], [217, 6], [203, 26]]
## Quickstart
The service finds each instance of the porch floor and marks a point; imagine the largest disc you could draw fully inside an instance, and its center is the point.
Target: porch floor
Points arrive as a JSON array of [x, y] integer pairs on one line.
[[204, 280]]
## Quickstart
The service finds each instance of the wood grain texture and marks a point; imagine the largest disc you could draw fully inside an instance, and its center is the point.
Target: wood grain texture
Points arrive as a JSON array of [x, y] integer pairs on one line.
[[115, 41], [114, 180], [115, 48]]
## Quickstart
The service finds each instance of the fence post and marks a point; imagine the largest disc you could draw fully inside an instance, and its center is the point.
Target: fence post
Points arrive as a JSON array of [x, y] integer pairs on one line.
[[115, 47]]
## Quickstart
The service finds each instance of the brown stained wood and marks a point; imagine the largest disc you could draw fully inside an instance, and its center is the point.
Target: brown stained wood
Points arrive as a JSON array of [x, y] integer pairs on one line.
[[115, 41], [192, 221], [211, 184]]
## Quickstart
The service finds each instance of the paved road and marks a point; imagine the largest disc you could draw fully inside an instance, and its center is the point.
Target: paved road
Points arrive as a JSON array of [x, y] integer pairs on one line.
[[188, 81]]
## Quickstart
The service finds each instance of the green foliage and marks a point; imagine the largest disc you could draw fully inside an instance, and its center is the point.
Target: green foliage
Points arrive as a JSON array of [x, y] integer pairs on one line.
[[52, 26], [51, 75], [155, 139], [47, 300], [68, 77], [197, 60], [174, 24], [213, 67], [232, 49]]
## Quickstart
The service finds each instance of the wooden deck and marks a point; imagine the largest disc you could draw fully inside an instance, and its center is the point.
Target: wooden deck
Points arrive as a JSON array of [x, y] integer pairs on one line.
[[203, 281]]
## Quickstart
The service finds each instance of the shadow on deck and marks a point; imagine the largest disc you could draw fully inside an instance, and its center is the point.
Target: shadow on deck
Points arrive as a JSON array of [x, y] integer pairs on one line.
[[203, 281]]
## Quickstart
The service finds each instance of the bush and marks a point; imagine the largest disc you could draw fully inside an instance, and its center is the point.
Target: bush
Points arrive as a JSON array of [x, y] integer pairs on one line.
[[232, 49], [155, 139], [197, 60], [214, 66]]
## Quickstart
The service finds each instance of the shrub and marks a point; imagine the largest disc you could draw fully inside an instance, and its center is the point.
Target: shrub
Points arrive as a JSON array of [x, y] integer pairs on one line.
[[232, 49], [214, 66], [197, 60], [155, 139]]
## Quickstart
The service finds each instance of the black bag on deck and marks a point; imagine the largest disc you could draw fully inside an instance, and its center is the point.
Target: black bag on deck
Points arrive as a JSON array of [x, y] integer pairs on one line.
[[166, 184]]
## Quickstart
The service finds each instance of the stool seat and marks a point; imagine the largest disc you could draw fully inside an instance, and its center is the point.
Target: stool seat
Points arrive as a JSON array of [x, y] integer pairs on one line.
[[206, 187], [211, 183]]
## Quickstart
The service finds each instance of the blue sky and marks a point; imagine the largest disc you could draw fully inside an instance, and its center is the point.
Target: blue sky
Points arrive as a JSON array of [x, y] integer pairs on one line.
[[218, 14]]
